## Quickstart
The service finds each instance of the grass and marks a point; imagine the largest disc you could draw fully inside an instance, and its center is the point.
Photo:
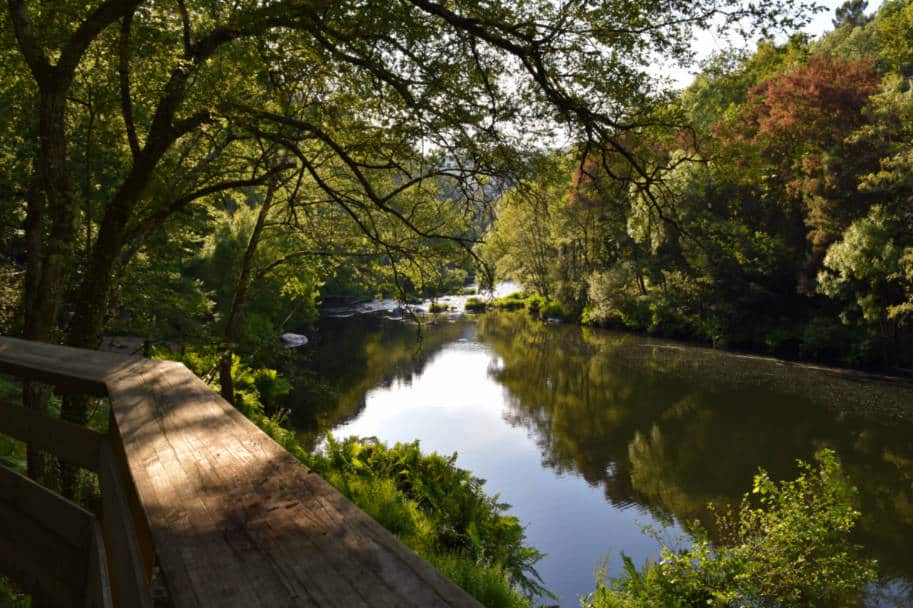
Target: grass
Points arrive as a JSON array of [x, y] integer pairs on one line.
[[438, 308]]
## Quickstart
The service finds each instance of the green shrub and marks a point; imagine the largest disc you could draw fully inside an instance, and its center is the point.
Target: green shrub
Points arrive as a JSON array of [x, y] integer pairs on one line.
[[12, 452], [792, 550], [552, 310], [437, 308], [488, 584], [534, 303], [447, 516], [11, 597], [514, 301], [635, 313], [824, 339], [475, 305], [270, 387]]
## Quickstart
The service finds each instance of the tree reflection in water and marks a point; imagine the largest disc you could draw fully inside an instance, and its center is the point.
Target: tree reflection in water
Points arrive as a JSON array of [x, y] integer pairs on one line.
[[671, 427], [651, 423]]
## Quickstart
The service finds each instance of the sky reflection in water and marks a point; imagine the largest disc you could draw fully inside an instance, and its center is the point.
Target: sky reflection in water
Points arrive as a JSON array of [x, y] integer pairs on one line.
[[591, 434]]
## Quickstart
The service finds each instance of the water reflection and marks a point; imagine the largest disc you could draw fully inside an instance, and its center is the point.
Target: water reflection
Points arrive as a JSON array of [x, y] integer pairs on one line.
[[652, 425], [350, 356], [672, 428]]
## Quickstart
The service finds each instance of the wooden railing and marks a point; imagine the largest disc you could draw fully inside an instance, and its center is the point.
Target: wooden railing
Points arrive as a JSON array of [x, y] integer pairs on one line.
[[191, 486]]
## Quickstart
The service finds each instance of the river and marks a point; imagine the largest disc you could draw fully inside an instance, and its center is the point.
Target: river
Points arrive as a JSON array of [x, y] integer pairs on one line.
[[592, 435]]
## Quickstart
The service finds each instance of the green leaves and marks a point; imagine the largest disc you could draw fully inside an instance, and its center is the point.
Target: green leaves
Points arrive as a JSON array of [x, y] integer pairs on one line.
[[454, 517], [869, 266], [793, 550]]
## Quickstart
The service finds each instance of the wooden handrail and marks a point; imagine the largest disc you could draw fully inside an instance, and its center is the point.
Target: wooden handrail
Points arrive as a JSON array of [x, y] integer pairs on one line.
[[235, 520], [45, 543], [73, 443]]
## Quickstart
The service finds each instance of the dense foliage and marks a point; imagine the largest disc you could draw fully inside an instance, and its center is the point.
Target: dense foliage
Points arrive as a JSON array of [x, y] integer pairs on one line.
[[439, 510], [202, 175], [297, 147], [793, 550], [780, 222], [436, 508]]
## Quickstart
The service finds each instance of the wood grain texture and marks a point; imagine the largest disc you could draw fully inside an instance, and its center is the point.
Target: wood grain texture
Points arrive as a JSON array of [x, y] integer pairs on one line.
[[44, 541], [73, 443], [98, 582], [236, 520], [69, 369], [221, 496], [129, 583]]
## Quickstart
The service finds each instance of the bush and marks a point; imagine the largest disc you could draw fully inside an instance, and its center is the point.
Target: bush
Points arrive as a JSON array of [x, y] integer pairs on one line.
[[534, 303], [438, 308], [824, 339], [475, 305], [552, 310], [11, 596], [438, 509], [794, 549], [514, 301]]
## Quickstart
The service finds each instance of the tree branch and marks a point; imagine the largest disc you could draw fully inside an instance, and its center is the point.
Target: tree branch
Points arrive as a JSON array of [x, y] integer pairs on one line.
[[158, 217], [34, 55], [123, 69]]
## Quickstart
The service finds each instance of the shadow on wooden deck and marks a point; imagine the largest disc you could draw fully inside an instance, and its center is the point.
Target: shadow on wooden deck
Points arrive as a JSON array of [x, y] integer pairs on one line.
[[189, 484]]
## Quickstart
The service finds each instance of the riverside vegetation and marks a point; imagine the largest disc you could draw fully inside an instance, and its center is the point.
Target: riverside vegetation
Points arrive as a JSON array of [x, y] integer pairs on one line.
[[782, 223], [204, 175], [787, 544]]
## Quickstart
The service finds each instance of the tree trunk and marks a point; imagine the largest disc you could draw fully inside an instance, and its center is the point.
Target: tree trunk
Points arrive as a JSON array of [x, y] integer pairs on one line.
[[233, 322], [34, 396], [91, 303], [47, 263]]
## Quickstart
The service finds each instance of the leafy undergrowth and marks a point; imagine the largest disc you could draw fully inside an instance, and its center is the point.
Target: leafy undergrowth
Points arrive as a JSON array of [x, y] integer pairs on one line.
[[11, 597], [435, 508], [440, 511], [12, 452], [793, 549]]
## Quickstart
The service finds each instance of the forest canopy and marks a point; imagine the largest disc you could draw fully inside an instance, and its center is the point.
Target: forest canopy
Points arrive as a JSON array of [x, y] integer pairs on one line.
[[778, 222], [168, 162], [207, 174]]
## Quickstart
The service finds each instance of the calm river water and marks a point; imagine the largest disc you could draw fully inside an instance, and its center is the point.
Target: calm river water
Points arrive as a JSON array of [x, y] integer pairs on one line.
[[592, 435]]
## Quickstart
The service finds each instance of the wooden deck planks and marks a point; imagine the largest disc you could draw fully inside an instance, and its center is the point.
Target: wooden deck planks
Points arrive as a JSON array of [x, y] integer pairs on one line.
[[41, 532], [236, 520], [223, 497]]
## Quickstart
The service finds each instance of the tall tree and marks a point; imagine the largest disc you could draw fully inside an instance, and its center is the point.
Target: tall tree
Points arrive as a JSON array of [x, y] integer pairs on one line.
[[386, 84]]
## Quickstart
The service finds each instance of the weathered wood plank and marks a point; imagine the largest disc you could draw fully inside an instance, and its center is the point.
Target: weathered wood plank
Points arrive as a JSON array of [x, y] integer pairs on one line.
[[129, 583], [61, 517], [236, 520], [137, 514], [98, 582], [48, 537], [73, 443], [69, 369], [221, 496], [32, 577]]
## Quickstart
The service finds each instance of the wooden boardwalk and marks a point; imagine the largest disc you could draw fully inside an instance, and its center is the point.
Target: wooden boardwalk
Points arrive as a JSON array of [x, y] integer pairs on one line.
[[231, 518]]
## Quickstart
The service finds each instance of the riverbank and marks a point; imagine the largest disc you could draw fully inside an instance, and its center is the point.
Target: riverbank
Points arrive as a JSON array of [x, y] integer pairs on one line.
[[590, 434], [551, 311]]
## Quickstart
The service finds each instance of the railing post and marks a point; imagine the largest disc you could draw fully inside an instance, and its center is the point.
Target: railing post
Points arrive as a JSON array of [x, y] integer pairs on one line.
[[129, 579]]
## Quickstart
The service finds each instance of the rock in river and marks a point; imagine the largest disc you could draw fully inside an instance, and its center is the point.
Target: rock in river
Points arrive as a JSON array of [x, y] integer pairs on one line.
[[291, 340]]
